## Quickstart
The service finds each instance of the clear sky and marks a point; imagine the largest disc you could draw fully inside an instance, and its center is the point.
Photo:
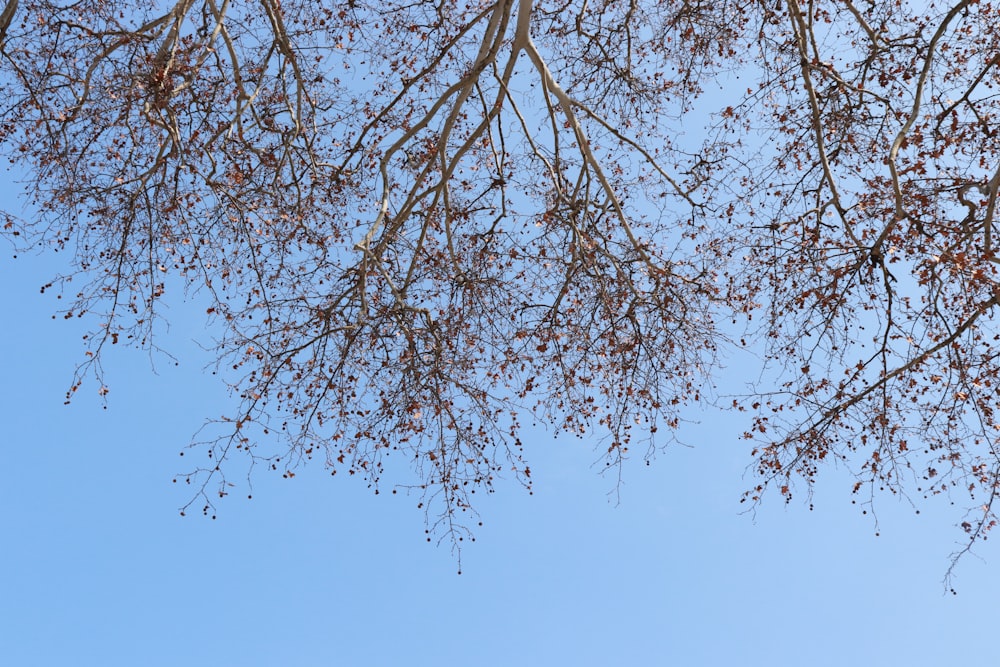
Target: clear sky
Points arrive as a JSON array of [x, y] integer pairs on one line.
[[98, 568]]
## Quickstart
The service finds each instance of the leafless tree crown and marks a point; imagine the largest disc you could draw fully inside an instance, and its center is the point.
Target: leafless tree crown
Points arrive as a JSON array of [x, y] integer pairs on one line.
[[420, 224]]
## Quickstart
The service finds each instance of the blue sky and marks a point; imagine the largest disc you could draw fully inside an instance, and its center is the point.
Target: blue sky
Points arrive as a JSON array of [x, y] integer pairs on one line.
[[99, 568]]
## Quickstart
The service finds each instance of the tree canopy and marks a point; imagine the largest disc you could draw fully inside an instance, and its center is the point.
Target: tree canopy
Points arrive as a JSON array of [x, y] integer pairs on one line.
[[420, 225]]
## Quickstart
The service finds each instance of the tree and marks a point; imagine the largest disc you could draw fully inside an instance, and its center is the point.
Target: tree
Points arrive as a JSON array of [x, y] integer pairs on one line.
[[419, 224]]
